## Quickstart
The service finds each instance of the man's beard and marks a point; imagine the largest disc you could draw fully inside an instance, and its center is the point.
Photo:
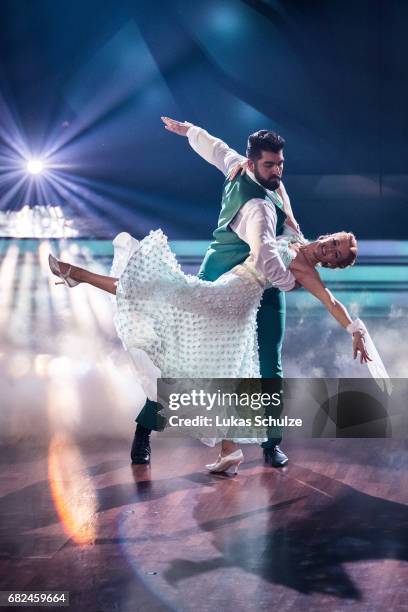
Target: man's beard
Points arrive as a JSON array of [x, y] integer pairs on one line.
[[272, 184]]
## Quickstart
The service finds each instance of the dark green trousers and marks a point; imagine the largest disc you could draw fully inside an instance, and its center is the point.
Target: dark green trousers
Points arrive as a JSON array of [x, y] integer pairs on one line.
[[271, 330]]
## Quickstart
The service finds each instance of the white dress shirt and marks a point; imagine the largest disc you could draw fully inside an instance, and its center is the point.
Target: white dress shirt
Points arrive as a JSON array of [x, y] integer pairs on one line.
[[255, 222]]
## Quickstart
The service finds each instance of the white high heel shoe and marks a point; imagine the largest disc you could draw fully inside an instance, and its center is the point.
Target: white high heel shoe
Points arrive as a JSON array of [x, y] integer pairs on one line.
[[223, 464], [55, 269]]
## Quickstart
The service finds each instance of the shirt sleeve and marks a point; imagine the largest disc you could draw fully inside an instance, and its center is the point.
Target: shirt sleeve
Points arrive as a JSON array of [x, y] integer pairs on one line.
[[291, 226], [213, 150], [255, 224], [292, 231]]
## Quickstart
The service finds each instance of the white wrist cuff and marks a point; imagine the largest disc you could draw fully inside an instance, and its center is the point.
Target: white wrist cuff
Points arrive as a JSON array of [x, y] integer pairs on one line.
[[356, 326], [191, 129]]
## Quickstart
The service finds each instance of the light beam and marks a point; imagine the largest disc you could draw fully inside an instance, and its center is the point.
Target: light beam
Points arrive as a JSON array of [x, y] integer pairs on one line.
[[35, 166]]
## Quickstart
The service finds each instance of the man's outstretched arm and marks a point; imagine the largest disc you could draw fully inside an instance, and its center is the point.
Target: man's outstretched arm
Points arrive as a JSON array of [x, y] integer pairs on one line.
[[214, 150], [255, 223]]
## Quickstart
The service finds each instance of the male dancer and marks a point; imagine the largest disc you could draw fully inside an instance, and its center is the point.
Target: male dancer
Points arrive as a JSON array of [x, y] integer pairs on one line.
[[252, 215]]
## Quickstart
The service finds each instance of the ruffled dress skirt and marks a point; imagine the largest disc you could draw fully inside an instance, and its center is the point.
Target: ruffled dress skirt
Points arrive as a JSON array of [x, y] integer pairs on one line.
[[185, 326], [175, 325]]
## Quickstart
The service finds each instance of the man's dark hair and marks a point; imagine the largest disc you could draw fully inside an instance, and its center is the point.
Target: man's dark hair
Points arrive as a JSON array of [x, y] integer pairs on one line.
[[264, 140]]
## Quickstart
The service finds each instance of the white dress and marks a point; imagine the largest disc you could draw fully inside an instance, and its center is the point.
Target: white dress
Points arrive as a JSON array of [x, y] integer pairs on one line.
[[187, 327]]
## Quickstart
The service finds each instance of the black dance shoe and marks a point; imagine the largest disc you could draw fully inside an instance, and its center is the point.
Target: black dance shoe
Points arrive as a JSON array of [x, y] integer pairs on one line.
[[275, 457], [140, 453]]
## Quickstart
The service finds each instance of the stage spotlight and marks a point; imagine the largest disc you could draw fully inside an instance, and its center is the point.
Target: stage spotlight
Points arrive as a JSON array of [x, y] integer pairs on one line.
[[35, 166]]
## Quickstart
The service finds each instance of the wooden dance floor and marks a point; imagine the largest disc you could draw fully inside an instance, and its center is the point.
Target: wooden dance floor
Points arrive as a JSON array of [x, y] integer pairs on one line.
[[328, 532]]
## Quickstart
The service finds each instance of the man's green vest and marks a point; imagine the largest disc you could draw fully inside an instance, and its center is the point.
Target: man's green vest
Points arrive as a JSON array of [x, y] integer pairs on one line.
[[227, 249]]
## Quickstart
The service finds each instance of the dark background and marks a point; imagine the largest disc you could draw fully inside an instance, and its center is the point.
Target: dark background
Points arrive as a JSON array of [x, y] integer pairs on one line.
[[91, 79]]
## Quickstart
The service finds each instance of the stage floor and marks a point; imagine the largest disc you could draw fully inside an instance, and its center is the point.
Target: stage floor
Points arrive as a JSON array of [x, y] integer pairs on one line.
[[327, 532]]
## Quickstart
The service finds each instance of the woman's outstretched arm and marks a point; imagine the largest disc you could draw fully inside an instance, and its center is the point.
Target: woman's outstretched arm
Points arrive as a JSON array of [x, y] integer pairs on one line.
[[311, 281]]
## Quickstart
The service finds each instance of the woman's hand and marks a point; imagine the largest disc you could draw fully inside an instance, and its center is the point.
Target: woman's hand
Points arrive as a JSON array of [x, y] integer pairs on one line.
[[359, 347], [241, 167]]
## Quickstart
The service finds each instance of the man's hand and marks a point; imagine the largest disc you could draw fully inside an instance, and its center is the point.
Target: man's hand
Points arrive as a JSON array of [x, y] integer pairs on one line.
[[177, 127], [359, 347]]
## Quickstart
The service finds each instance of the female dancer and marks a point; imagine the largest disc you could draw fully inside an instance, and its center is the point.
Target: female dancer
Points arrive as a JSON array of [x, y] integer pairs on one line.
[[178, 326]]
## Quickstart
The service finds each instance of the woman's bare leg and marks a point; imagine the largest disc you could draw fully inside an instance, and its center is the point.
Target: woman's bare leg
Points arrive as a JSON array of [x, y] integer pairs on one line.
[[228, 447], [106, 283]]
